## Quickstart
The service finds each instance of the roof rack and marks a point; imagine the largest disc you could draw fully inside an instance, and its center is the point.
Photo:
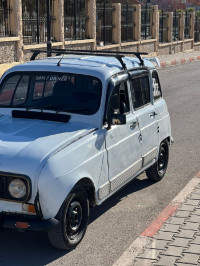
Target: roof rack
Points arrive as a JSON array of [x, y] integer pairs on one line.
[[118, 55]]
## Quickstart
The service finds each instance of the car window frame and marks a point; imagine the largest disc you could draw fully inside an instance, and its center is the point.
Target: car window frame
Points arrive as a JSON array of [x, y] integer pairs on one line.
[[150, 89]]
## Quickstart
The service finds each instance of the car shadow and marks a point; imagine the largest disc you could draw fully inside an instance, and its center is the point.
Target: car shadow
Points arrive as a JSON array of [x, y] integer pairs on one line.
[[133, 186], [31, 248]]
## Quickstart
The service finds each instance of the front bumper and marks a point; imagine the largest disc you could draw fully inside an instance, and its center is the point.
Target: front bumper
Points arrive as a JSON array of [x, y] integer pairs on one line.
[[26, 223]]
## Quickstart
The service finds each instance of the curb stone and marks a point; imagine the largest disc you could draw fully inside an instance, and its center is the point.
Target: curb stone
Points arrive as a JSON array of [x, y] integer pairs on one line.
[[181, 61]]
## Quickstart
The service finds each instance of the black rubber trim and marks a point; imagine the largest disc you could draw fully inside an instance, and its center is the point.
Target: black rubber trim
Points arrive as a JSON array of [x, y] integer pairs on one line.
[[10, 223], [41, 116]]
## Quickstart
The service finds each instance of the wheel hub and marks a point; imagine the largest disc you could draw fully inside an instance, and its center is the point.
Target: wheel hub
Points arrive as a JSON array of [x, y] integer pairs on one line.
[[74, 218]]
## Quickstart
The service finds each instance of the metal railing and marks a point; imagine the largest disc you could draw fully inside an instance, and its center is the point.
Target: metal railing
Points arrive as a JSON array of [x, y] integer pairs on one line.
[[127, 23], [34, 21], [176, 26], [163, 27], [104, 23], [75, 19], [187, 25], [197, 28], [5, 13], [146, 22]]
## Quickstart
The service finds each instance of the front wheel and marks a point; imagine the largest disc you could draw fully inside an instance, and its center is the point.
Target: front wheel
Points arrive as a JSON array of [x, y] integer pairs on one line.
[[73, 220], [157, 171]]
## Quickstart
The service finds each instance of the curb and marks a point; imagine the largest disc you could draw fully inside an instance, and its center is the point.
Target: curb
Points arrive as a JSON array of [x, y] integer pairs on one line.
[[179, 61], [128, 257]]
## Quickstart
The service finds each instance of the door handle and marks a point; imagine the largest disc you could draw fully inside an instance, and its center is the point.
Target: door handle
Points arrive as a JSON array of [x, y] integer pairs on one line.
[[153, 114], [134, 124]]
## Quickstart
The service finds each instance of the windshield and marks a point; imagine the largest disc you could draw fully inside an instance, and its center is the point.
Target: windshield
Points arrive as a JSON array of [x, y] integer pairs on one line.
[[60, 92]]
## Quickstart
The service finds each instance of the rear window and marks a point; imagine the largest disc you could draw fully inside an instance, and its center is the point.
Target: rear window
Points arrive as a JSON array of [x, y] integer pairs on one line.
[[61, 92]]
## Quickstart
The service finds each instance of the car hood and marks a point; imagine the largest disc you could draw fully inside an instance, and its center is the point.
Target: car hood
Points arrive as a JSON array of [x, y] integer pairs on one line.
[[26, 145]]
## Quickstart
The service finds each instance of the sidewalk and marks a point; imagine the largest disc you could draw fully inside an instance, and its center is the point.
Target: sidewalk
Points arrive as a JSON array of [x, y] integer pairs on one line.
[[174, 236], [179, 58]]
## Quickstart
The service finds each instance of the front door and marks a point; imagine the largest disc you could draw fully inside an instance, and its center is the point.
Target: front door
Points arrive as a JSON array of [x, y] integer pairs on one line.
[[123, 141]]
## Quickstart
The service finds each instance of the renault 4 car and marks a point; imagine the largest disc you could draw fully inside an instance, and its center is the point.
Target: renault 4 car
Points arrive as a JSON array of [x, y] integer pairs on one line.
[[74, 129]]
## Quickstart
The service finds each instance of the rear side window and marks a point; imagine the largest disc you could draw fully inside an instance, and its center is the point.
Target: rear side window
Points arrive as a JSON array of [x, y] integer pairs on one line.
[[157, 93], [140, 91]]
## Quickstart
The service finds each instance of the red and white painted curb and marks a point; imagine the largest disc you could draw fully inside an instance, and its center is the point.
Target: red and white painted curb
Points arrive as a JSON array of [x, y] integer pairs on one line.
[[146, 236], [179, 61]]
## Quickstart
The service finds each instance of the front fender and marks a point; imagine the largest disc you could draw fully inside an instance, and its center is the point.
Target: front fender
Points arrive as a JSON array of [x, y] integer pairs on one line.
[[82, 159]]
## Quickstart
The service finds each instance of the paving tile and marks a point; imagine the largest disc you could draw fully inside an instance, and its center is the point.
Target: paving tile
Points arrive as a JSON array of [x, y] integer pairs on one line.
[[158, 244], [164, 235], [173, 251], [196, 212], [170, 228], [192, 202], [194, 219], [166, 261], [194, 196], [149, 254], [189, 258], [186, 207], [185, 264], [196, 240], [190, 226], [196, 191], [186, 234], [193, 248], [176, 220], [182, 214], [143, 262], [180, 242]]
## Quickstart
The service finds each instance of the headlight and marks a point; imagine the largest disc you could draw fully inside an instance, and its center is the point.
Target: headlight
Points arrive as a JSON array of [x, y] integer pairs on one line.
[[17, 189]]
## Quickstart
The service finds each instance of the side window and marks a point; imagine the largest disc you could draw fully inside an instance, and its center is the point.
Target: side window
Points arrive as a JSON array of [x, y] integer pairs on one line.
[[140, 91], [157, 93], [119, 101]]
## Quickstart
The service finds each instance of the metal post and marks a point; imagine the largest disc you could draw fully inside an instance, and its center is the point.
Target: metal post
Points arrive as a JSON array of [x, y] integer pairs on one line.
[[38, 28], [104, 22], [162, 26], [127, 20], [146, 22], [48, 29], [75, 18]]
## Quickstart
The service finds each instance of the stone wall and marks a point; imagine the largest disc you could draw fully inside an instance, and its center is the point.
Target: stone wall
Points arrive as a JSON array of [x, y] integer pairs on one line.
[[7, 52]]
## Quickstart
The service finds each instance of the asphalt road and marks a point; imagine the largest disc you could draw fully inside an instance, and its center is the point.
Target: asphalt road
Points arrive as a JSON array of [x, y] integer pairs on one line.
[[116, 223]]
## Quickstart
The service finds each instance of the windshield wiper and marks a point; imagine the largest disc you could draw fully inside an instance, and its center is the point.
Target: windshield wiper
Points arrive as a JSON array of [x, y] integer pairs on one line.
[[56, 108]]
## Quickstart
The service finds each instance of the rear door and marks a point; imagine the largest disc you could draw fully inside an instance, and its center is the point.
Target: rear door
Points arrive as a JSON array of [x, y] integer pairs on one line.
[[141, 91]]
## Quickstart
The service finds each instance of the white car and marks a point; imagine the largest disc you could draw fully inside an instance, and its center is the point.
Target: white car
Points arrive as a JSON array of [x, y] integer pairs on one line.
[[74, 129]]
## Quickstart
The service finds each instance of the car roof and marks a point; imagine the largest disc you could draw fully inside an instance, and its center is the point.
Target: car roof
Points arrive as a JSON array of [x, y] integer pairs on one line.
[[102, 67]]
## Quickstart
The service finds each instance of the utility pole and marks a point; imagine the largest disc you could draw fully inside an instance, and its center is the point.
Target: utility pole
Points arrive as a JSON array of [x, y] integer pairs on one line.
[[48, 28]]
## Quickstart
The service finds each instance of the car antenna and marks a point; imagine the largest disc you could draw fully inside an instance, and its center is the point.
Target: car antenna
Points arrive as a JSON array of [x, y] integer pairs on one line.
[[59, 62]]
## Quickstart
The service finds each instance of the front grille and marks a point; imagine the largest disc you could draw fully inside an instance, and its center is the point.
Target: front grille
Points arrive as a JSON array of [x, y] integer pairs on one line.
[[3, 187]]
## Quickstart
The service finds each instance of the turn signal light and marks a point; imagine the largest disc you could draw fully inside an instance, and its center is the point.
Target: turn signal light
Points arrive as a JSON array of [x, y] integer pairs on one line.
[[29, 208], [22, 225]]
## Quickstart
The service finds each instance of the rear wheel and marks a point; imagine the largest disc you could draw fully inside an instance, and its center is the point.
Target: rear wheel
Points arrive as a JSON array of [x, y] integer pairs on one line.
[[73, 220], [157, 171]]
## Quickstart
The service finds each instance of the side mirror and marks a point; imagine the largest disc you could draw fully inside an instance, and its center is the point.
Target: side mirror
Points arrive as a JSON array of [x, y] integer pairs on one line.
[[117, 119]]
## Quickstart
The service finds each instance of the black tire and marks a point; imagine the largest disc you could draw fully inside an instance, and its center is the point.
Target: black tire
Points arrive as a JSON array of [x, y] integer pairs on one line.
[[157, 171], [73, 220]]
